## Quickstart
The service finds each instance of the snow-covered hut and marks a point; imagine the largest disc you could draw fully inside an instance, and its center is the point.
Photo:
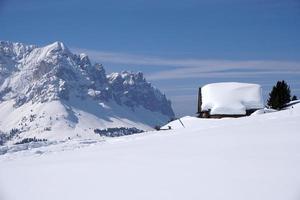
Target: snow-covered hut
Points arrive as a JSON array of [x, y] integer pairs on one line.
[[229, 99]]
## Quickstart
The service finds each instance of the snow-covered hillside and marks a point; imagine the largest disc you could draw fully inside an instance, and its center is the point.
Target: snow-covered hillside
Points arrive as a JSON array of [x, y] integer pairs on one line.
[[249, 158], [49, 92]]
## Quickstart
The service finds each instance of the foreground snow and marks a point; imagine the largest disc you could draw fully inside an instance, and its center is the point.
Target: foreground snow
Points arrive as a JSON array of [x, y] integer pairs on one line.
[[256, 157]]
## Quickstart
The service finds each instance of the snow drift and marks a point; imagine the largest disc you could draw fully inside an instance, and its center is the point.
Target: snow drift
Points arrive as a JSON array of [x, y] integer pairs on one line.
[[231, 98]]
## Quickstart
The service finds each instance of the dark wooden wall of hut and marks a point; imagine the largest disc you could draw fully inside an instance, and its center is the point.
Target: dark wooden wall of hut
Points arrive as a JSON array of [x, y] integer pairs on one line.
[[199, 102]]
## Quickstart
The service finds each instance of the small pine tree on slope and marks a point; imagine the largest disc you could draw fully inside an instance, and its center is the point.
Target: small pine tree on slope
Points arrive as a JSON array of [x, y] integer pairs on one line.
[[280, 95], [294, 98]]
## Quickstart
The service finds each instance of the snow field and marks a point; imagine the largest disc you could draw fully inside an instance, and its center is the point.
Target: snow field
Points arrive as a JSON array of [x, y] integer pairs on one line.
[[249, 158]]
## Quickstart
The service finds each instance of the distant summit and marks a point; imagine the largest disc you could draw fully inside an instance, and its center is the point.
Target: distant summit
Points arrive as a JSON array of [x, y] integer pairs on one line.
[[31, 78]]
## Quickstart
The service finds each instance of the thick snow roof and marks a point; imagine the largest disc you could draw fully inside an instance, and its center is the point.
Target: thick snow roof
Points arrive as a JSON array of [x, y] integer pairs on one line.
[[231, 98]]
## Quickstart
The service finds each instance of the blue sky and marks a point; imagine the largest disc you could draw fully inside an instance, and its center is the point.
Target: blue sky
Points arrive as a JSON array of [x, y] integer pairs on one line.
[[179, 45]]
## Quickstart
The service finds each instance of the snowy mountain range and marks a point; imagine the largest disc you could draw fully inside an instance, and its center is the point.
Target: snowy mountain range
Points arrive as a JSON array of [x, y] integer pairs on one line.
[[49, 92]]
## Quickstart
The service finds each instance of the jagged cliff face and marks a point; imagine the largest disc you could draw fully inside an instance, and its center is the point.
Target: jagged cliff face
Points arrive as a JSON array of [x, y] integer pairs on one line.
[[32, 74], [133, 90]]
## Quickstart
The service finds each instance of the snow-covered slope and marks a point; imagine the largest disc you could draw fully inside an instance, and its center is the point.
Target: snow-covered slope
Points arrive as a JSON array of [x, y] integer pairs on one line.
[[47, 92], [255, 157]]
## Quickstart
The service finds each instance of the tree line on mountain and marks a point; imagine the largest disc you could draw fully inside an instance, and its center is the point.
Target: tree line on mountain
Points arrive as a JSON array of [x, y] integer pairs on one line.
[[117, 132], [28, 140], [11, 134]]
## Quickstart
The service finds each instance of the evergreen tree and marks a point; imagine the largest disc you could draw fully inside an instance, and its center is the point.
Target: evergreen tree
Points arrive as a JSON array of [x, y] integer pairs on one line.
[[280, 95], [294, 98]]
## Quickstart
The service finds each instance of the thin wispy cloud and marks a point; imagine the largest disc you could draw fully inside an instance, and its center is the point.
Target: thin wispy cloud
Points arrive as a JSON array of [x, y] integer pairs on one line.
[[197, 68], [200, 73]]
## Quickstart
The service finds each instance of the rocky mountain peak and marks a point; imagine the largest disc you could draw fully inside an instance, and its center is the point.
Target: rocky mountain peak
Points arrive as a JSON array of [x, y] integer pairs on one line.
[[53, 72]]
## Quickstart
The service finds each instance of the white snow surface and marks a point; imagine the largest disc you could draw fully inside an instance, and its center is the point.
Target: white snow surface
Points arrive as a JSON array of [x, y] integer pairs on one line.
[[231, 98], [78, 118], [248, 158]]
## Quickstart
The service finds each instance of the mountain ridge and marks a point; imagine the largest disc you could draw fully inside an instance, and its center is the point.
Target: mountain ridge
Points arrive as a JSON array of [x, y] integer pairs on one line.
[[35, 75]]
